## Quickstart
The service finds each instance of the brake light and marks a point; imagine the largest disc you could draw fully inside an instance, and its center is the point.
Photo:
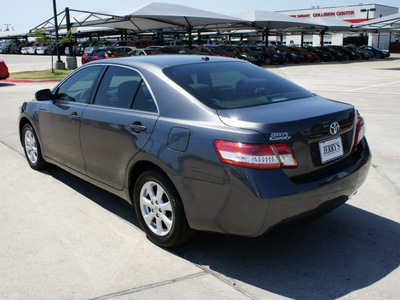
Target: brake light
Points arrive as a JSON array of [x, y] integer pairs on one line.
[[360, 131], [256, 156]]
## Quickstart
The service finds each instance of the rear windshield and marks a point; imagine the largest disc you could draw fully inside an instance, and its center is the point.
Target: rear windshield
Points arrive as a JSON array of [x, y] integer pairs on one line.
[[228, 85]]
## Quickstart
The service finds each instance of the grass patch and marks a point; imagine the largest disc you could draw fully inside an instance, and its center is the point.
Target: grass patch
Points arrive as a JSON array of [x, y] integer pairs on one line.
[[45, 74]]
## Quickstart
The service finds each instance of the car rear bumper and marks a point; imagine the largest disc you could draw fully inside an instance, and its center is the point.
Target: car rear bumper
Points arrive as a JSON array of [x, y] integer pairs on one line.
[[256, 200]]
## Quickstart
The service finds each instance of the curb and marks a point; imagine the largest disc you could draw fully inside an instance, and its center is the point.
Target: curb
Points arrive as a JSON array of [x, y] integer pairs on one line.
[[31, 81]]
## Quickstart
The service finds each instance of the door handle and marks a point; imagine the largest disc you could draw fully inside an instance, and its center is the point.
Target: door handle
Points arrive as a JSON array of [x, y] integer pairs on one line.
[[74, 116], [137, 127]]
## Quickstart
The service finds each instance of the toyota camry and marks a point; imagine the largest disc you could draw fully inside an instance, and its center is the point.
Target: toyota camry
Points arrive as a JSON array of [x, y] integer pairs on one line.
[[199, 143]]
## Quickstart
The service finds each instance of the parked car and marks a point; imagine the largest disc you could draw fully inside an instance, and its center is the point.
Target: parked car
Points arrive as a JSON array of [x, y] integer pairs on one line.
[[97, 45], [143, 44], [16, 48], [245, 54], [6, 49], [198, 143], [80, 48], [377, 52], [32, 48], [324, 55], [174, 43], [364, 54], [292, 56], [353, 55], [24, 49], [270, 56], [213, 51], [49, 48], [206, 43], [339, 56], [308, 55], [140, 52], [3, 70], [173, 50], [103, 54]]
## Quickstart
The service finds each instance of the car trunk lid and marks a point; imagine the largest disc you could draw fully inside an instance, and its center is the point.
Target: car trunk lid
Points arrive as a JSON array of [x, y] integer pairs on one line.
[[307, 125]]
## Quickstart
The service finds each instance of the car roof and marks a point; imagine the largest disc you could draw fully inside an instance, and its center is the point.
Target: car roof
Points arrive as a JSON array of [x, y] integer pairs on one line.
[[163, 61]]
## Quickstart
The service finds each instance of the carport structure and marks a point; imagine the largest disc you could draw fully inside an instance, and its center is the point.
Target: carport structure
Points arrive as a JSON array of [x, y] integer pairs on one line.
[[162, 18]]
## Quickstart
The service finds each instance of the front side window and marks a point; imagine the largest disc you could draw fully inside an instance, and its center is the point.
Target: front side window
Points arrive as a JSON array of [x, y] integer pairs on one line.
[[77, 88], [229, 85]]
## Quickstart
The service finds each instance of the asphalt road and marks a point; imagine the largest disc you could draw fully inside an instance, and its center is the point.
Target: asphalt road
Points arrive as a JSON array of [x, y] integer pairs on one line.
[[62, 238]]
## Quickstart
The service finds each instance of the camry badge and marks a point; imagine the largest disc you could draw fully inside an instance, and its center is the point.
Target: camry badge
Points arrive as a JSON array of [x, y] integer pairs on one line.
[[334, 128]]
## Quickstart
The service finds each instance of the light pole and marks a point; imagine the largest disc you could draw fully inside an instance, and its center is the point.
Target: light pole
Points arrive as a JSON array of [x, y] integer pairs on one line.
[[59, 64], [367, 10]]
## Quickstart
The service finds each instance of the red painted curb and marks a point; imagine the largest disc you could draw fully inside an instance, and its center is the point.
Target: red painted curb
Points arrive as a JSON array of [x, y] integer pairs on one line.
[[30, 81]]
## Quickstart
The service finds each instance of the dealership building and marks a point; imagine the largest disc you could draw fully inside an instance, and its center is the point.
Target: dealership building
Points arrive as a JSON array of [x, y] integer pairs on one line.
[[353, 14]]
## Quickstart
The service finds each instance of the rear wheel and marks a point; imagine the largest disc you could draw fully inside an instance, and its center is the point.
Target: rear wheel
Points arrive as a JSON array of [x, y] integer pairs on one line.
[[160, 211], [32, 148]]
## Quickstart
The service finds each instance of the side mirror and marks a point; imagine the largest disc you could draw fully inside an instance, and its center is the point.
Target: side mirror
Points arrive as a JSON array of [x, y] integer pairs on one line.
[[44, 95]]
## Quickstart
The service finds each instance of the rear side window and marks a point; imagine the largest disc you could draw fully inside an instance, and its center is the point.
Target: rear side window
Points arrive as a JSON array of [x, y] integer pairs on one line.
[[228, 85], [118, 87], [124, 88]]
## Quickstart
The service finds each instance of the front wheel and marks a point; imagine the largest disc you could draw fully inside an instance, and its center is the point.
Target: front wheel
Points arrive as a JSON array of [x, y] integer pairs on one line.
[[32, 148], [160, 211]]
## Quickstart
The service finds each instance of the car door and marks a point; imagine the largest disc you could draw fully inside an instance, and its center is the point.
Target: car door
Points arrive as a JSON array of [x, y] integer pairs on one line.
[[117, 125], [59, 120]]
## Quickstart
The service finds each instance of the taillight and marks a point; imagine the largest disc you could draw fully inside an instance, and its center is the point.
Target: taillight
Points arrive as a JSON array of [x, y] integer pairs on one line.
[[257, 156], [360, 131]]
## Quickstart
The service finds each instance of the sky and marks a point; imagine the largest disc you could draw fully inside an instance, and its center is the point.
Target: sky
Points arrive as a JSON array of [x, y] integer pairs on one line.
[[26, 14]]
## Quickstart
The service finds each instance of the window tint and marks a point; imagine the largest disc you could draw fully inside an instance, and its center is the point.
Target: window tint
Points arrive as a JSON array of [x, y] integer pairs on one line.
[[143, 100], [228, 85], [118, 87], [77, 88]]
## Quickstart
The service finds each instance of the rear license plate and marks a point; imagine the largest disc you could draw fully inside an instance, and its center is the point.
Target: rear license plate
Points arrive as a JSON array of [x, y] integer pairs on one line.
[[331, 149]]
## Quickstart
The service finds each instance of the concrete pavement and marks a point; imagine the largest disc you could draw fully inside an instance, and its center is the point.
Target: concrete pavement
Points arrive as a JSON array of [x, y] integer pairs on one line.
[[62, 238]]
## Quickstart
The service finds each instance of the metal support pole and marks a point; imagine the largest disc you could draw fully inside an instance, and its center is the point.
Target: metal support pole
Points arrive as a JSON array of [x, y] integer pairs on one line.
[[199, 37], [321, 40], [266, 36], [68, 28], [56, 29], [189, 28], [302, 40]]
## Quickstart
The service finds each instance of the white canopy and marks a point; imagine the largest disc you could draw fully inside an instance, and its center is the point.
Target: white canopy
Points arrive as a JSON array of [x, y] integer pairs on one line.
[[387, 22], [269, 20], [156, 15]]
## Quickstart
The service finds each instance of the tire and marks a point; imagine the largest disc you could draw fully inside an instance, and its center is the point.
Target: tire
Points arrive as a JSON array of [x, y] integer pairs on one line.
[[160, 211], [32, 148], [268, 61], [378, 55]]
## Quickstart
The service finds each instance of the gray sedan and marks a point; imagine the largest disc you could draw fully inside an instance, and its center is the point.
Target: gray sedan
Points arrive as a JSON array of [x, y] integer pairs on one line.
[[199, 143]]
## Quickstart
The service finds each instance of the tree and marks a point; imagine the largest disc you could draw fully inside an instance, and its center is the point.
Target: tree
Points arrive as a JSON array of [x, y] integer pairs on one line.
[[39, 34]]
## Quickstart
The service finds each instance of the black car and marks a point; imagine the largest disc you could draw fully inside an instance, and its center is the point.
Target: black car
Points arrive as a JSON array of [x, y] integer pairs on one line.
[[377, 52], [270, 56], [198, 143], [324, 55], [292, 56], [353, 55], [338, 55], [364, 54], [245, 53]]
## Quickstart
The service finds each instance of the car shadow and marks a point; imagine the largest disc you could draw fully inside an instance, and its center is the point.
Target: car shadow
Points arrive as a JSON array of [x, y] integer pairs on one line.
[[6, 84], [107, 200], [344, 251]]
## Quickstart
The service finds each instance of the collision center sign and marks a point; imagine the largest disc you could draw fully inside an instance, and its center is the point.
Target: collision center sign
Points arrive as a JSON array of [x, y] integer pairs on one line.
[[326, 14]]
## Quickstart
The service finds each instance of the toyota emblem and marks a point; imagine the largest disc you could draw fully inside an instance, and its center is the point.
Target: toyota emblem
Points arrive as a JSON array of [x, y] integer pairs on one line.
[[334, 128]]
